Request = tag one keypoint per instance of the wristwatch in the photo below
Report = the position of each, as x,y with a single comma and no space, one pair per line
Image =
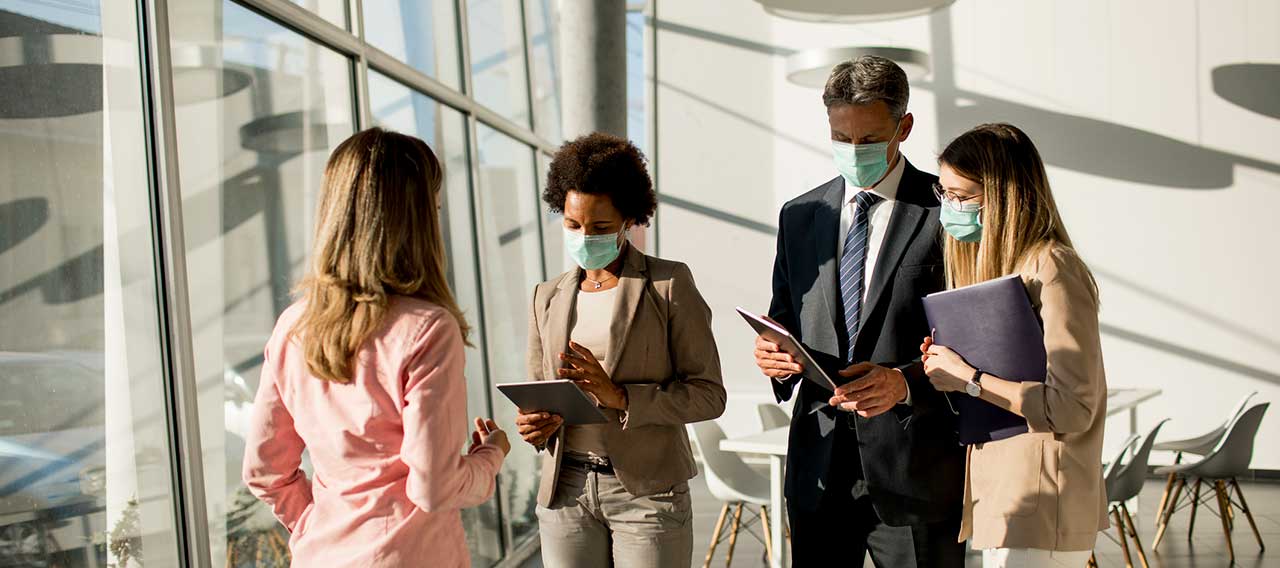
973,388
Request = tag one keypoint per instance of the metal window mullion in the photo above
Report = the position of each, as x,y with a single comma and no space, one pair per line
473,162
308,23
533,125
528,65
464,45
169,246
651,9
323,31
364,110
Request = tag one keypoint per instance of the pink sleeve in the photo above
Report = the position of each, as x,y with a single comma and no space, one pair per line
436,425
273,452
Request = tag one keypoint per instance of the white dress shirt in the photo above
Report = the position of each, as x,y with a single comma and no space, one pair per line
878,219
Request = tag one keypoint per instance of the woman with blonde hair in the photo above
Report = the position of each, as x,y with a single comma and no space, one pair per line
365,372
1035,499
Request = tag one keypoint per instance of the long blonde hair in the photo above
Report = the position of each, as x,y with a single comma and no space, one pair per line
1020,219
377,235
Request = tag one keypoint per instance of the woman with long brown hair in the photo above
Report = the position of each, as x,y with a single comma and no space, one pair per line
365,372
1034,499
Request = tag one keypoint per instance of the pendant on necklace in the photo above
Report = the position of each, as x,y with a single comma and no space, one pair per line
598,285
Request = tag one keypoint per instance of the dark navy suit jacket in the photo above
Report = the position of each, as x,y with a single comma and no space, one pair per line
911,458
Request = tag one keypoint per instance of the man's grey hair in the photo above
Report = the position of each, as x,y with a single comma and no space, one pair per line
866,80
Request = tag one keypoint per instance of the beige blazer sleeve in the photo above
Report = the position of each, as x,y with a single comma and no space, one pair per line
696,391
1073,390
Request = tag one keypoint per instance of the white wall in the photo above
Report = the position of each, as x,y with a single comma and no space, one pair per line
1167,186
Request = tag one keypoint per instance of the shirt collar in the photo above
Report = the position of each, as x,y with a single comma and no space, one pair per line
887,189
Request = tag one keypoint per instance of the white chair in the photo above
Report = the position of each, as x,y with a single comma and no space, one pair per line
732,481
1123,481
1227,460
1199,445
772,416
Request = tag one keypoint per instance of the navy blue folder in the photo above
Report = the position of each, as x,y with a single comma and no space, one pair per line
991,325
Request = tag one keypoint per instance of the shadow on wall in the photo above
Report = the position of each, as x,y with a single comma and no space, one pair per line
20,219
1099,147
1074,142
1253,86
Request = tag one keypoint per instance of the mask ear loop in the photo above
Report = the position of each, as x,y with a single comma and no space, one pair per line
624,233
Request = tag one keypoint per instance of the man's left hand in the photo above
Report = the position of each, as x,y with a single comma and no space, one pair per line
872,392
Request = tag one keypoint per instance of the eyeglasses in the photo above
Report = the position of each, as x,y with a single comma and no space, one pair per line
956,201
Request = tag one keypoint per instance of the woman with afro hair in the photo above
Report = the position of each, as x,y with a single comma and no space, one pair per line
631,331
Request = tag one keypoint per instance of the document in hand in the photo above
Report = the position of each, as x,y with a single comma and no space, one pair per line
557,397
770,330
993,327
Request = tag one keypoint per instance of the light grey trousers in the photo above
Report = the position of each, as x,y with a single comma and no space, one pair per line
594,522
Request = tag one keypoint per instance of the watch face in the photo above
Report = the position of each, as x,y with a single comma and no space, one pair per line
973,389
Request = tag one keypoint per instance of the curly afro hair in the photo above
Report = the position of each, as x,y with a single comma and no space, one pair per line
602,164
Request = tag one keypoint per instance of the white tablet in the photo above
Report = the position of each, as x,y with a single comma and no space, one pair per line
778,334
557,397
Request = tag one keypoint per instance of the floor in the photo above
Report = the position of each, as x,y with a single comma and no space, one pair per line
1206,548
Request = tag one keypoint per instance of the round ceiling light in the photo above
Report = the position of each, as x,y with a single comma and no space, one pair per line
849,11
811,67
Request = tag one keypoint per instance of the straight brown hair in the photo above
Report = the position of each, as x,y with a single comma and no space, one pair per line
377,235
1020,219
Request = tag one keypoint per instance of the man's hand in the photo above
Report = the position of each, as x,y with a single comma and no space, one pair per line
773,362
872,392
586,372
537,427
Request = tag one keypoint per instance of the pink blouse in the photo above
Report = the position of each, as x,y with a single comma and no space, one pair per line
390,475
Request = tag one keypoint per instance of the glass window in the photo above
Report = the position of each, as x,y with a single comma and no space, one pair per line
497,57
511,255
84,446
333,10
556,259
422,33
397,107
637,115
544,50
252,145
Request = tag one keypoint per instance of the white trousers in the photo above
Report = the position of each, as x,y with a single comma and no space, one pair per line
1033,558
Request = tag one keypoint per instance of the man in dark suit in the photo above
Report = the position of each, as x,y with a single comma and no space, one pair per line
876,466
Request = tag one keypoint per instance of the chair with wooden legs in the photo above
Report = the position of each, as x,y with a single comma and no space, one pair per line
1218,470
732,481
1123,481
1199,445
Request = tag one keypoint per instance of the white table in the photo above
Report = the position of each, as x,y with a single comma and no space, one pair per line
1120,400
773,443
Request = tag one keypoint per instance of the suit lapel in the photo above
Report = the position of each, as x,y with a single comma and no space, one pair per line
559,310
631,285
826,229
903,225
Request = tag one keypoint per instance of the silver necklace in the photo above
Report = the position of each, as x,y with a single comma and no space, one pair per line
599,283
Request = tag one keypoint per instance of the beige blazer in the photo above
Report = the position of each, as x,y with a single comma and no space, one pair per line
662,352
1044,489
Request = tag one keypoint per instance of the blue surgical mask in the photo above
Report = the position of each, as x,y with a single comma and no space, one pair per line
962,221
592,252
862,165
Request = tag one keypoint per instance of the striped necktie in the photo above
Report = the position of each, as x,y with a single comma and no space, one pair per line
853,264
